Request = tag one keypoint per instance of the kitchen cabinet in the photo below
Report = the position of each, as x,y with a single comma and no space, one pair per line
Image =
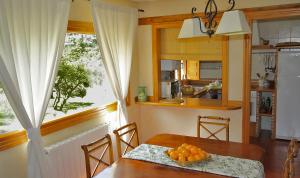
170,65
193,70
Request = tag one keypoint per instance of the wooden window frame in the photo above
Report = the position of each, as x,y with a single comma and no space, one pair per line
156,60
15,138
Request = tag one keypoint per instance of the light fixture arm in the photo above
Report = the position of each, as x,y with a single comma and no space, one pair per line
194,9
232,2
210,12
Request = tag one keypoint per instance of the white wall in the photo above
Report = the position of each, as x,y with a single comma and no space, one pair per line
155,120
81,9
275,31
144,50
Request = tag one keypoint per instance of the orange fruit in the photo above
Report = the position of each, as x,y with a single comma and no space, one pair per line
179,149
198,157
170,150
191,158
181,159
185,153
174,155
180,154
188,147
193,150
184,145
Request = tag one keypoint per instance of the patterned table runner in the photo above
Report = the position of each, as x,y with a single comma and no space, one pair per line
221,165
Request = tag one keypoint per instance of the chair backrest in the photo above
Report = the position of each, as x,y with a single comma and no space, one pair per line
96,151
220,122
295,147
288,167
123,138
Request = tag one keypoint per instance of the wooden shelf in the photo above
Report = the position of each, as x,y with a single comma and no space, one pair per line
266,114
263,47
198,103
261,89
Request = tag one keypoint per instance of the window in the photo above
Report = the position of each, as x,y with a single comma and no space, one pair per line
204,66
210,70
81,83
8,121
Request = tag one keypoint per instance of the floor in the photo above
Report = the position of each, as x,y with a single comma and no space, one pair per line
276,152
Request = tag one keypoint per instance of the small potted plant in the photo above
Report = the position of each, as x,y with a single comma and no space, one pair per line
262,80
213,88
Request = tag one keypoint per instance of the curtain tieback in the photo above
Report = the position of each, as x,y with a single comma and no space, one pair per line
34,134
121,103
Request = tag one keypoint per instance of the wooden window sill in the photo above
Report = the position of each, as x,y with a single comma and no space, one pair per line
12,139
197,103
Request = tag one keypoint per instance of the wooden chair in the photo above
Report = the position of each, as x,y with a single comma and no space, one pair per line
122,134
223,123
288,169
293,147
90,151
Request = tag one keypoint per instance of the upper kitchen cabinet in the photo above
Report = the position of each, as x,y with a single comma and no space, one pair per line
193,71
202,48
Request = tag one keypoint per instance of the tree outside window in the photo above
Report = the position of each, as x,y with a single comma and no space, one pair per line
81,83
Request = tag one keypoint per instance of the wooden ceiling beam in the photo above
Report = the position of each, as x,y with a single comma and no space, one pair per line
268,12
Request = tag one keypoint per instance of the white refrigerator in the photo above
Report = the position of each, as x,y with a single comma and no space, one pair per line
288,95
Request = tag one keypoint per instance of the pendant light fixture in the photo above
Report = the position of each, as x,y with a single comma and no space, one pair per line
232,22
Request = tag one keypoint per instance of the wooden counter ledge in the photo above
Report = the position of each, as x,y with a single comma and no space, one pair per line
197,103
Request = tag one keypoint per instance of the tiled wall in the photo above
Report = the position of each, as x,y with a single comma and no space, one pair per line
276,31
280,30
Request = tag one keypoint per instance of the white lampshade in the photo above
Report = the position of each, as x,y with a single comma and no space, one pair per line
233,23
191,28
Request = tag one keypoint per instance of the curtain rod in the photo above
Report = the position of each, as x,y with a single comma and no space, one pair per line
140,10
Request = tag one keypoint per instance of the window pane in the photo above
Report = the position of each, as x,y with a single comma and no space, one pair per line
81,81
8,120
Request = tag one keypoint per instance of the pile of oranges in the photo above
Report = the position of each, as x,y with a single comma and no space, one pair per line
187,153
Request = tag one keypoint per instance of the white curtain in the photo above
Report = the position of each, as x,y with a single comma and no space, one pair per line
31,42
115,28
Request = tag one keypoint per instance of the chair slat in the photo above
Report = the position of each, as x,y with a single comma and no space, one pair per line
223,123
94,146
130,128
128,131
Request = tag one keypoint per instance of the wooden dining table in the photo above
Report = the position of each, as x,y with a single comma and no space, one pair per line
128,168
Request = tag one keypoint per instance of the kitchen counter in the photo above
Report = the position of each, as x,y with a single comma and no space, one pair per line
196,103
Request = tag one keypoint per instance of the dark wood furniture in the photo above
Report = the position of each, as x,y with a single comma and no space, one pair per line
96,151
123,138
126,168
289,166
219,122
